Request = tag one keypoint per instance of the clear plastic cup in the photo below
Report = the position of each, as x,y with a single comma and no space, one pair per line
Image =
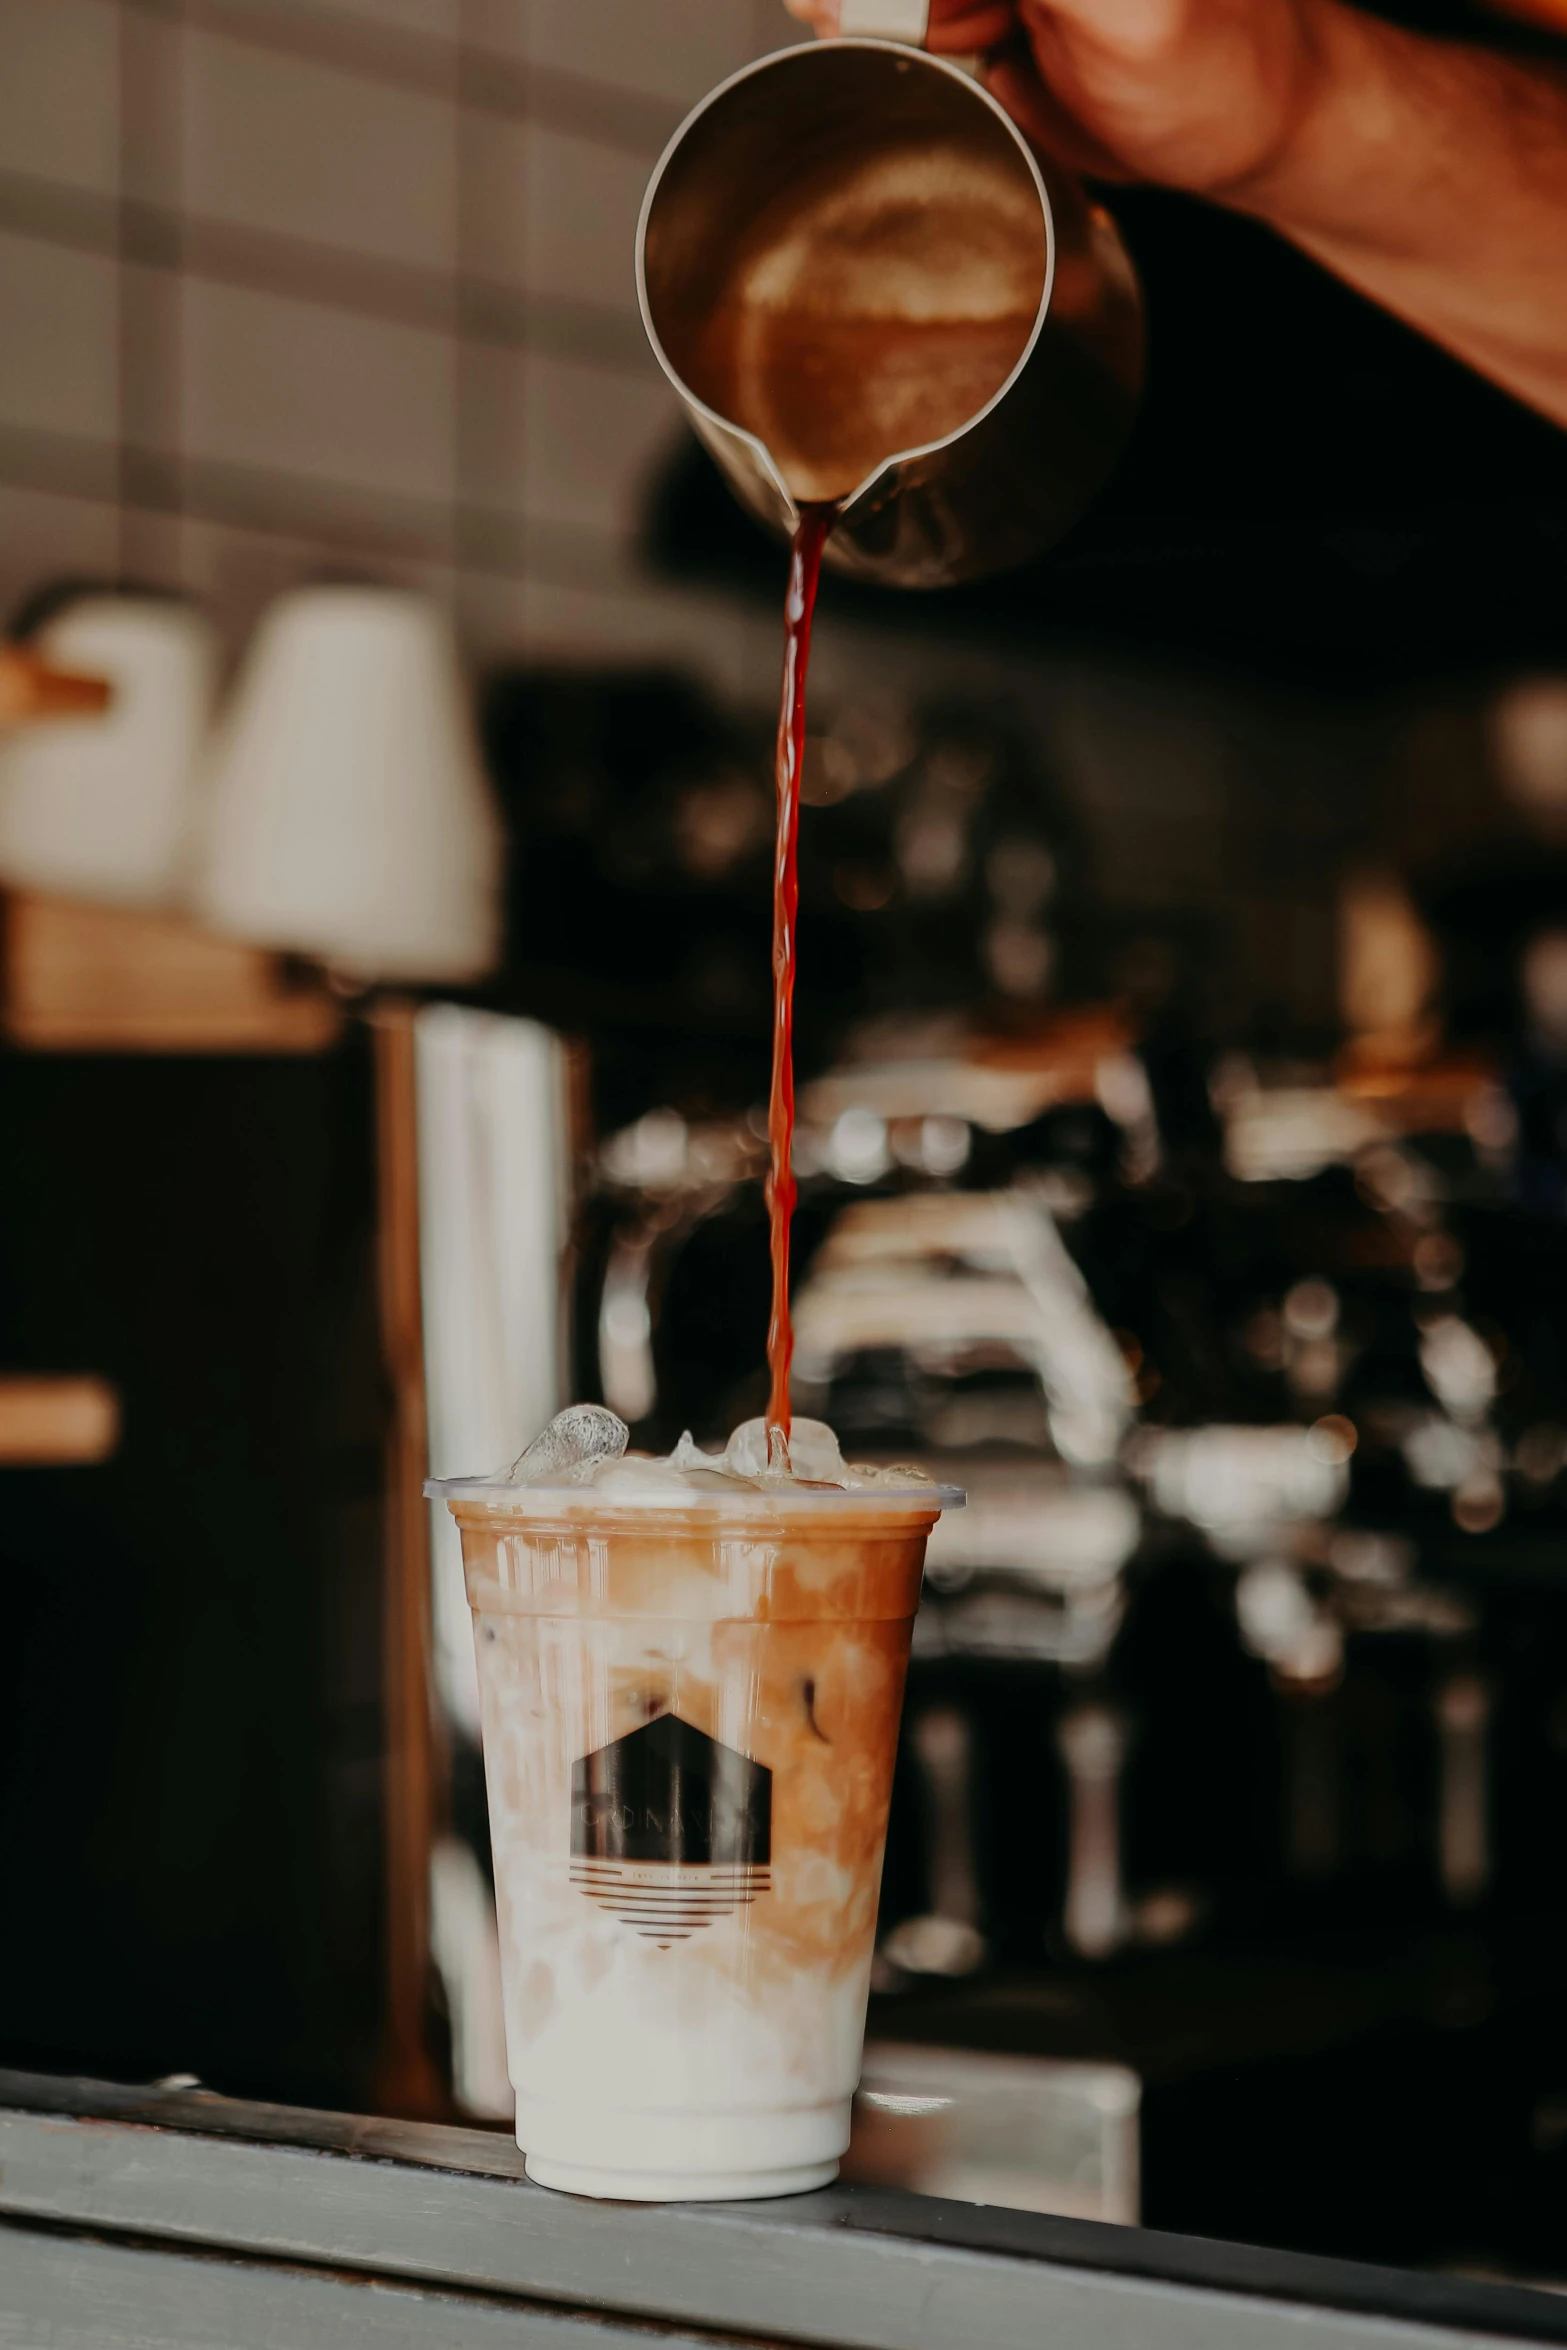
690,1711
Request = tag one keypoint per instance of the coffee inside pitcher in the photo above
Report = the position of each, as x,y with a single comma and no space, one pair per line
869,301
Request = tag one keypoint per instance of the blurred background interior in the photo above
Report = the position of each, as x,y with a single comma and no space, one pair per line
385,811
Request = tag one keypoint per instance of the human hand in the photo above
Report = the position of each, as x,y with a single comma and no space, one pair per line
1430,174
1205,95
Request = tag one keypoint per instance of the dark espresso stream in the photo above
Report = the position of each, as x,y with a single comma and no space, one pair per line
805,563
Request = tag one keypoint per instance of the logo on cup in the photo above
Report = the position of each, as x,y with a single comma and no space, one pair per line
670,1830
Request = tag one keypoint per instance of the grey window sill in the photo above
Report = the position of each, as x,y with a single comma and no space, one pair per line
134,2216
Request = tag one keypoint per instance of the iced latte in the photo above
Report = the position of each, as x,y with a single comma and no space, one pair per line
691,1673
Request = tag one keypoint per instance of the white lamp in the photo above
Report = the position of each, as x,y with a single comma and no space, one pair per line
101,806
348,816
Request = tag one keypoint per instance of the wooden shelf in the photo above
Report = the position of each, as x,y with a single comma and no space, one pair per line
57,1422
105,979
31,689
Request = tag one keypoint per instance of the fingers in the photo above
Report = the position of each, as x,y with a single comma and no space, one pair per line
1015,80
958,27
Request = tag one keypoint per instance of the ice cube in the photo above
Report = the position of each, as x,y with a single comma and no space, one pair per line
745,1455
897,1476
639,1478
688,1454
812,1455
576,1439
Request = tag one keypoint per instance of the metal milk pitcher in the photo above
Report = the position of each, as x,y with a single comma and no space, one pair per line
868,290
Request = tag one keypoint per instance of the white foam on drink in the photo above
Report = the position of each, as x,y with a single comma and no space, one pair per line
585,1445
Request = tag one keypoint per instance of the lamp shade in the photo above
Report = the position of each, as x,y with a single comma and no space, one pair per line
102,806
348,817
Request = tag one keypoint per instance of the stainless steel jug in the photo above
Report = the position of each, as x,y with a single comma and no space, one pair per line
869,290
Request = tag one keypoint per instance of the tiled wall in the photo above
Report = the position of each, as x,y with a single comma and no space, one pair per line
294,285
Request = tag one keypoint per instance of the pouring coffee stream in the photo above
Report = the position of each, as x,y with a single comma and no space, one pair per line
909,355
881,309
805,563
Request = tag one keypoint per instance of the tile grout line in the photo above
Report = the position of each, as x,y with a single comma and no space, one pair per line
476,309
486,80
464,535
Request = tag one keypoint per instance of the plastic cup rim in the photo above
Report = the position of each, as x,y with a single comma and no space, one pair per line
747,1500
